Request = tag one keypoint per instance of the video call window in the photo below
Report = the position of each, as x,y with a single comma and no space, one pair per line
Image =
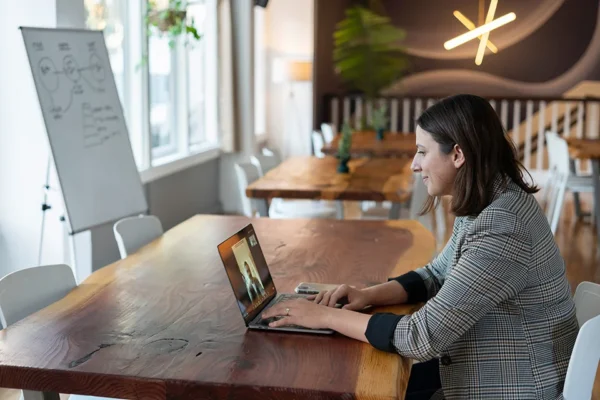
247,270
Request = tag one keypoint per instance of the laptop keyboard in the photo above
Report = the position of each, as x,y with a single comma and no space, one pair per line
283,297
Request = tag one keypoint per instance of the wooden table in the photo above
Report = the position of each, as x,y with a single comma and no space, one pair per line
589,149
365,144
376,179
164,324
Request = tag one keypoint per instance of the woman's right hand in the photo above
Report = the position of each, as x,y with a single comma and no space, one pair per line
356,299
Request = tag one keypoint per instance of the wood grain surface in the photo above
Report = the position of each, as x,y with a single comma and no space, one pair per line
376,179
163,323
365,143
584,148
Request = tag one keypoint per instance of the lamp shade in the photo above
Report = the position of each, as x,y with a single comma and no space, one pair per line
291,71
300,71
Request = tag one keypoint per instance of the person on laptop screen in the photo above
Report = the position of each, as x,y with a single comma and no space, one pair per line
498,319
254,286
247,280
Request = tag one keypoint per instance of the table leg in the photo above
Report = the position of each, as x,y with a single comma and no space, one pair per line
339,209
261,206
395,210
596,182
576,198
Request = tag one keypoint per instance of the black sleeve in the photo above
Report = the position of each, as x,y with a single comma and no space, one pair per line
413,285
380,331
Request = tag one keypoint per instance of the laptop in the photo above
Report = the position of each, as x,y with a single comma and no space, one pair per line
251,281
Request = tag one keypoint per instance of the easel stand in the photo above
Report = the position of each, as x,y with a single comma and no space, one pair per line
69,240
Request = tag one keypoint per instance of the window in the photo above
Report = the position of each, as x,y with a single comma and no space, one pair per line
260,73
162,89
107,15
170,96
196,71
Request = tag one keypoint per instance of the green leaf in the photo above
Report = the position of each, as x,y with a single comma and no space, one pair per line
193,31
368,54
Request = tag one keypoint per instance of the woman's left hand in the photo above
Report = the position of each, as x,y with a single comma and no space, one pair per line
300,312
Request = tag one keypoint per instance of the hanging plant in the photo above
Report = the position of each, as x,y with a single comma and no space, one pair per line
170,22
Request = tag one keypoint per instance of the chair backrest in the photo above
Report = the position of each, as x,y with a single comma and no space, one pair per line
246,173
29,290
417,200
581,373
552,160
558,156
418,197
318,143
265,163
132,233
587,301
328,131
265,151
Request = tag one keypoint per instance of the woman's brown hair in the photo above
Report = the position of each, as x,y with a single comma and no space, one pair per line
471,123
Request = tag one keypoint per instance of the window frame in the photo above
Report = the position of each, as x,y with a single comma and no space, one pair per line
181,154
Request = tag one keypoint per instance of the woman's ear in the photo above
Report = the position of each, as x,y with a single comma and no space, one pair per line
458,157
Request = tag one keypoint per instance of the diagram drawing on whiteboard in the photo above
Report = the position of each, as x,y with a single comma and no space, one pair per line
71,80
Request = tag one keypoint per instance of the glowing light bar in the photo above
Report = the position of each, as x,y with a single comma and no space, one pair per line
465,37
485,36
470,26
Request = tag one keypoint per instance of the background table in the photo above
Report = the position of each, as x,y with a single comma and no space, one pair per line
365,143
376,179
163,323
589,149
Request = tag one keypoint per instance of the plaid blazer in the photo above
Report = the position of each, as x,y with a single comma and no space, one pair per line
498,314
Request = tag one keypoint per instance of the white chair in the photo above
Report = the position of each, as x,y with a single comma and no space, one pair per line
328,130
271,152
265,163
575,183
419,195
280,208
29,290
581,373
556,185
587,301
246,173
132,233
318,143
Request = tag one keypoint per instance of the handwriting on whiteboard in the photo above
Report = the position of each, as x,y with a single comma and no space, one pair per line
100,124
72,80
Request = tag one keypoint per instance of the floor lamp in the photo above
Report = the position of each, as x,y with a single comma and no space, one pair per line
293,72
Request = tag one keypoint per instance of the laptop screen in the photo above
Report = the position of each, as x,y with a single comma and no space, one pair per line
247,271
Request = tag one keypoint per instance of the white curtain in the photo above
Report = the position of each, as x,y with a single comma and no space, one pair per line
227,125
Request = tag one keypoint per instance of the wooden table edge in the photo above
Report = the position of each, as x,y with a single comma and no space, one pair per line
363,387
318,195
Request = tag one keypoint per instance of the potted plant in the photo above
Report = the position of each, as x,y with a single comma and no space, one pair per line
344,149
380,120
367,53
171,22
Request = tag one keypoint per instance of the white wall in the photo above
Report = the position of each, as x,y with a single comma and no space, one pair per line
289,35
24,146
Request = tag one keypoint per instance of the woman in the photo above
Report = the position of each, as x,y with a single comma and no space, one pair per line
498,315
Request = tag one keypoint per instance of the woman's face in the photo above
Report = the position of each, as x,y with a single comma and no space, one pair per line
438,170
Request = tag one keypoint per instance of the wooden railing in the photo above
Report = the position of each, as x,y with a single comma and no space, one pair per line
525,119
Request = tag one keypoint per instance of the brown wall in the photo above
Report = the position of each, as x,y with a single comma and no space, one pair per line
545,54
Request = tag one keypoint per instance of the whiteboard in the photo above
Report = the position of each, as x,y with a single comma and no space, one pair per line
86,129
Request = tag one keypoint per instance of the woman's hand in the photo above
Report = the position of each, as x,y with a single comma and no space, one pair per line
300,312
356,299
